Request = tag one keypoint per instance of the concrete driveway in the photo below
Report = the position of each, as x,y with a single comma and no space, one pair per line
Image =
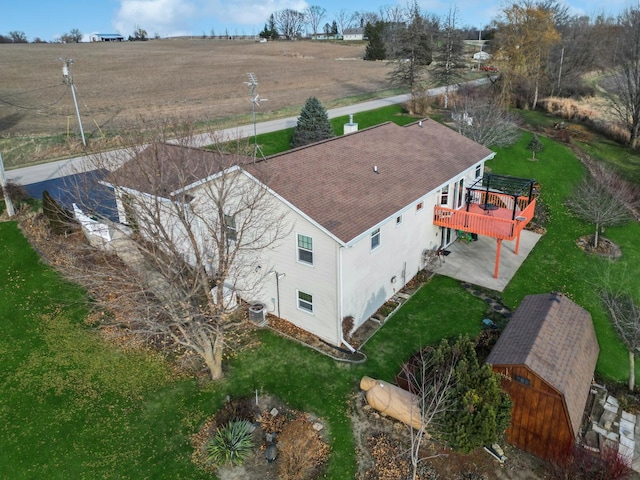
474,262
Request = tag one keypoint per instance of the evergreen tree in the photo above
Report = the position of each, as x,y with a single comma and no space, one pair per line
334,28
375,49
313,124
414,52
481,411
535,145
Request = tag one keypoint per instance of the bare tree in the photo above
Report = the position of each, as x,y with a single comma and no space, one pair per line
289,23
448,55
313,16
76,35
360,19
624,313
431,378
624,82
200,224
600,199
482,118
343,20
18,36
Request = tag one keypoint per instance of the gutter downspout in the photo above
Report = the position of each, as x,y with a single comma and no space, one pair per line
339,297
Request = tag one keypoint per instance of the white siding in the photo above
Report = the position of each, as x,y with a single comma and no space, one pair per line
367,274
318,280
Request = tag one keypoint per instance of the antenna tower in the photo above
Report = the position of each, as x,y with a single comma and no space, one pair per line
67,79
255,102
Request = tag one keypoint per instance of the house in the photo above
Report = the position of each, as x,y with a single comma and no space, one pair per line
546,358
352,34
361,209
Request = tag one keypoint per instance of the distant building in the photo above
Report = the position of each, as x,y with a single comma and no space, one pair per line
353,34
481,56
106,37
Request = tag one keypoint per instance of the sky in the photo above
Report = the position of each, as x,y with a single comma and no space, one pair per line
48,19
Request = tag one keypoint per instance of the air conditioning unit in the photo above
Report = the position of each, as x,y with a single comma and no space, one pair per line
258,314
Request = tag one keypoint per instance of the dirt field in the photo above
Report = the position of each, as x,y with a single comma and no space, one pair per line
118,83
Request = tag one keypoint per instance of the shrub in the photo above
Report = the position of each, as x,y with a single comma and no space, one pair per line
301,451
236,409
60,219
232,443
579,464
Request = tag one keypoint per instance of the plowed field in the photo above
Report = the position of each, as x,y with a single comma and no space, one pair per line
120,83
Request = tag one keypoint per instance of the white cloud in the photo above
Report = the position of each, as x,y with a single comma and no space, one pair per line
165,17
250,12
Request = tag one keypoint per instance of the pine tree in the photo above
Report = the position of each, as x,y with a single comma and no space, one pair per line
313,124
535,145
482,411
414,53
375,49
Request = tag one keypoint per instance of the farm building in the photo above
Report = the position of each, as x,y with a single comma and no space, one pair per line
353,34
546,358
106,37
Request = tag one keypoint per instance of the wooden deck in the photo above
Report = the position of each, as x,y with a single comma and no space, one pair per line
492,215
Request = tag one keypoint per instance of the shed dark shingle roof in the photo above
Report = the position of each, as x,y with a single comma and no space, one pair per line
555,338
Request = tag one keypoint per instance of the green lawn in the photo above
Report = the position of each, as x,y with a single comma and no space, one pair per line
557,264
277,142
76,406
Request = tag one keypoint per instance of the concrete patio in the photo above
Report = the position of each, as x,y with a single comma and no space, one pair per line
474,262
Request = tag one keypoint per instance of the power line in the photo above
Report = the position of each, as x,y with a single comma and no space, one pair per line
25,107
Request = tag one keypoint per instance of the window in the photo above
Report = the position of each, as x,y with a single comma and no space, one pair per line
305,249
305,301
375,238
444,195
398,220
419,206
230,223
478,170
522,380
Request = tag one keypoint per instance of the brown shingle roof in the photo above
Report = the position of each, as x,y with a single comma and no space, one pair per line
162,168
334,182
555,338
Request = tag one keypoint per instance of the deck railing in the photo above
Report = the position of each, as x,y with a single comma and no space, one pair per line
499,225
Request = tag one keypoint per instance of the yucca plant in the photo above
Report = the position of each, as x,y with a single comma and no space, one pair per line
232,443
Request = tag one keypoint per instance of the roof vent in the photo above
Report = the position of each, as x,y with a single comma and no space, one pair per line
375,169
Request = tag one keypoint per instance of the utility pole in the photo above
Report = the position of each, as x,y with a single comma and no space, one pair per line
68,80
3,186
255,101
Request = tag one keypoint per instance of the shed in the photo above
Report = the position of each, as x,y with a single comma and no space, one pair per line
546,358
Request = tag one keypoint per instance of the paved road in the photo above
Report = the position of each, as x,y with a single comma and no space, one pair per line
62,168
